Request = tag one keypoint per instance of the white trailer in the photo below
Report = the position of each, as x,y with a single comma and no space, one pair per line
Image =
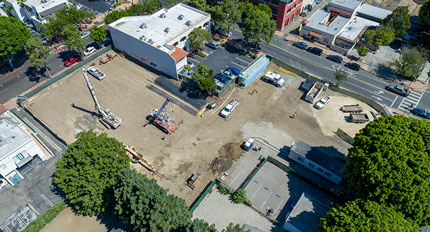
314,92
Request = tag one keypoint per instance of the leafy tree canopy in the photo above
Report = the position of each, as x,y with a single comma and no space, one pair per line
234,228
362,51
340,75
361,215
410,63
240,196
424,13
37,52
198,225
205,80
399,20
146,206
98,34
197,37
389,163
381,36
258,26
143,8
13,36
88,170
73,15
72,38
227,14
199,4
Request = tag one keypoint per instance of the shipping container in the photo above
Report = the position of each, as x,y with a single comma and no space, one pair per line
254,70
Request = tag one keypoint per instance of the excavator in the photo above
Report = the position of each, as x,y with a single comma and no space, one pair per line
105,115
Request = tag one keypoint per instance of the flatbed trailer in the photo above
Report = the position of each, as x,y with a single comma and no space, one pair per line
358,118
352,108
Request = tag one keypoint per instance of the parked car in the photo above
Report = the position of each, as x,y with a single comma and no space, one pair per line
353,66
317,1
211,105
219,85
72,60
222,78
96,73
234,70
89,51
214,45
314,50
301,45
323,102
335,58
85,34
304,13
228,74
421,112
398,89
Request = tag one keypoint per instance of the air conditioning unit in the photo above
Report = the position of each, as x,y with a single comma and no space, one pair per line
162,15
142,38
180,17
188,23
166,30
142,26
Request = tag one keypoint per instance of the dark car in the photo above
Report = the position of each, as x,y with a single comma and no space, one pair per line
72,60
335,58
353,66
214,45
233,70
398,89
314,50
301,45
222,78
421,113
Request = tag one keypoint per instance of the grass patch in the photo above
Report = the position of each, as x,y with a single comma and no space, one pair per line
201,54
45,218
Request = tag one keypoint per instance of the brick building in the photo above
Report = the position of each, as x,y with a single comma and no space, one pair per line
284,11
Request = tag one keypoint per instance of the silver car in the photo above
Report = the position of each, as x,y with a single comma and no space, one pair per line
96,73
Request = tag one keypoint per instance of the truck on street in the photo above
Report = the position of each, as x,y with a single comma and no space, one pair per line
274,78
232,105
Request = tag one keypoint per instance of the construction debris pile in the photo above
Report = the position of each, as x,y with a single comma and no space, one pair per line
228,153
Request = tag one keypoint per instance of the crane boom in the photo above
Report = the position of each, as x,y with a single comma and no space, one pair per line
105,114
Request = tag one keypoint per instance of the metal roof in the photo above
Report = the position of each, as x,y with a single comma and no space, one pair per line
373,11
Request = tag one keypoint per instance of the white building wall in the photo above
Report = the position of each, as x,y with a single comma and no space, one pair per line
181,63
144,52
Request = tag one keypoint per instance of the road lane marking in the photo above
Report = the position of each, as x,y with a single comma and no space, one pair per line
368,90
395,99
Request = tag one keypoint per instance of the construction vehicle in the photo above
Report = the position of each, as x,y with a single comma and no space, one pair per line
192,181
161,119
358,117
105,115
274,78
352,108
142,161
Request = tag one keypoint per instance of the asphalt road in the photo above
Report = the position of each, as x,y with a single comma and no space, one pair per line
361,82
29,77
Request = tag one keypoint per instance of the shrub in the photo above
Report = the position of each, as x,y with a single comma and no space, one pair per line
224,190
239,196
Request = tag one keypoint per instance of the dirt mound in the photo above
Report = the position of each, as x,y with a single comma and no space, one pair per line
228,153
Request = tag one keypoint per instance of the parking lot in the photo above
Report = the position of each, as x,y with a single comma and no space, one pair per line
97,6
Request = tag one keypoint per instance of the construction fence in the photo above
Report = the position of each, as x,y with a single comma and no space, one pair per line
371,103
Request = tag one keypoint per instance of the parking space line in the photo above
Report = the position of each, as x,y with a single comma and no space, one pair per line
47,200
267,199
238,65
244,61
189,58
279,206
253,195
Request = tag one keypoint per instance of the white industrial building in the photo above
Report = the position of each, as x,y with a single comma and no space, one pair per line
159,40
17,147
35,11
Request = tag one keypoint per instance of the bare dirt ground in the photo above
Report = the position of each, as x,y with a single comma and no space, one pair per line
68,221
264,112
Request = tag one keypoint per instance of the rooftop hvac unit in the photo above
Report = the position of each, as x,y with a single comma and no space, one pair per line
142,38
167,30
142,26
180,17
163,15
150,41
188,23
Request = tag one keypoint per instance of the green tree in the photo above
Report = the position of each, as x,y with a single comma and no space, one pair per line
361,215
146,206
145,7
265,8
13,36
409,64
424,13
98,34
258,26
72,38
71,14
389,163
198,225
227,14
53,27
115,15
37,53
381,36
399,20
205,80
340,76
88,171
362,51
199,4
240,196
234,228
197,38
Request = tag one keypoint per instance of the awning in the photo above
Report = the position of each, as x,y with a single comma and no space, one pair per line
314,34
178,54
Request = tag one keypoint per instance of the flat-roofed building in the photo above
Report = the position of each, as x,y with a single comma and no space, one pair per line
17,147
159,40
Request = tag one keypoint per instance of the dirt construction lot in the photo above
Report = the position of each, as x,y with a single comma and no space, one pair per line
264,112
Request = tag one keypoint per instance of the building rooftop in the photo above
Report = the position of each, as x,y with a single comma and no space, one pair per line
47,6
319,157
160,28
12,134
320,21
307,212
356,28
373,11
349,5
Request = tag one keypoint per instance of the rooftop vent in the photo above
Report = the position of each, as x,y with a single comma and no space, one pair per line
167,29
163,15
143,26
142,38
180,17
188,23
150,41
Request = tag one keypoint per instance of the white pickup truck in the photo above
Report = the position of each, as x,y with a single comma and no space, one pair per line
321,103
232,105
96,73
274,78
